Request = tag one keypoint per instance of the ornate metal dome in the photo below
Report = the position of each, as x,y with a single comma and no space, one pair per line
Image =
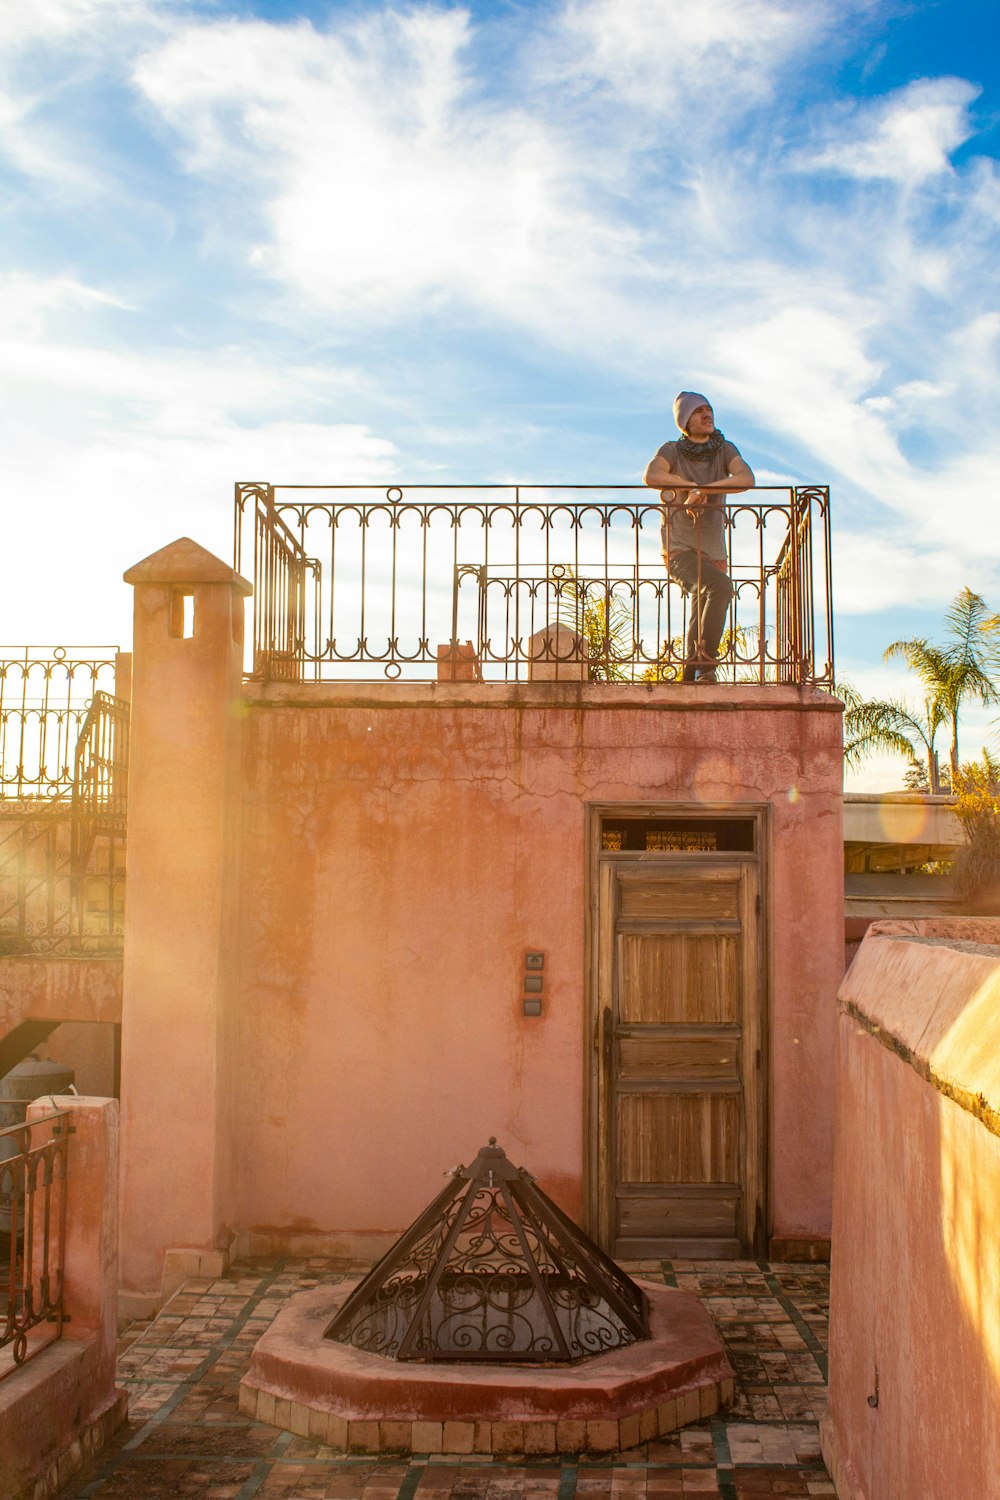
493,1272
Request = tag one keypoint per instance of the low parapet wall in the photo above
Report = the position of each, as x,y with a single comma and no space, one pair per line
915,1299
59,987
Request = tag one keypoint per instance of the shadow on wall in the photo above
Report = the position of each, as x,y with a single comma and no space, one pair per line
915,1297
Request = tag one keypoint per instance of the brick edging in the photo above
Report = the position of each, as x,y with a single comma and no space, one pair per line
484,1438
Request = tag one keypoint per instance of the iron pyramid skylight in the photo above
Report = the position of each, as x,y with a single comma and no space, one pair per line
492,1272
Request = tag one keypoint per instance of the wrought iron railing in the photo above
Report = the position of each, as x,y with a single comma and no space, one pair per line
282,573
62,857
34,1160
353,582
98,824
44,696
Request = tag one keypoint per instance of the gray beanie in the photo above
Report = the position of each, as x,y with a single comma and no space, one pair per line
685,404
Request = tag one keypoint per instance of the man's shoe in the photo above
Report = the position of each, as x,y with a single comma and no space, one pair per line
690,673
707,674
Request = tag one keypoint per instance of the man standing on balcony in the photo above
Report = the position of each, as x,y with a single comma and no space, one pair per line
694,475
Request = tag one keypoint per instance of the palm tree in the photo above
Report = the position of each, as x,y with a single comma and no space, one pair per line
958,671
952,674
872,724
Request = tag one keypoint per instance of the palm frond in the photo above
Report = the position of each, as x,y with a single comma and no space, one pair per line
871,725
670,666
847,693
927,661
966,620
975,681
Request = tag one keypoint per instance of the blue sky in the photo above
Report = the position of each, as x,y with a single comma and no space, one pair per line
366,242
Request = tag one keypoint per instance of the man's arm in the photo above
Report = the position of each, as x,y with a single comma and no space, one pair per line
739,478
660,476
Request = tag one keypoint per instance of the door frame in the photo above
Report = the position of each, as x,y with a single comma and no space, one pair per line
758,813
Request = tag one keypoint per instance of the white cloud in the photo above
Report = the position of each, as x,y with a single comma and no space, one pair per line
666,55
802,372
103,499
55,20
28,302
422,198
386,182
377,180
51,50
113,453
910,402
874,572
907,136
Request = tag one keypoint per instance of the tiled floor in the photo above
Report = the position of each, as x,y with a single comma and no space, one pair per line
187,1437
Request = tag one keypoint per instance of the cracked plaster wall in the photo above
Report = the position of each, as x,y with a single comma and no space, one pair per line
399,856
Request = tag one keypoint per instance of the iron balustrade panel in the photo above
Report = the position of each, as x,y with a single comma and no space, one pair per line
62,856
36,882
98,825
44,696
508,583
34,1162
100,764
268,552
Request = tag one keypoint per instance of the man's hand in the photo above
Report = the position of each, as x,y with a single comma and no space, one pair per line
695,499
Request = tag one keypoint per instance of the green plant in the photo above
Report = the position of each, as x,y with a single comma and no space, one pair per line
670,665
977,807
736,641
602,617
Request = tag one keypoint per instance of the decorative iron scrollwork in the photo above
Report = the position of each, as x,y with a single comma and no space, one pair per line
366,583
493,1271
33,1167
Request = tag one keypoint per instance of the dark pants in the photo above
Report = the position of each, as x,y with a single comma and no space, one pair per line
709,591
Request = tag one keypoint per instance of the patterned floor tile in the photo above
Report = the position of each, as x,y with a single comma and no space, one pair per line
186,1436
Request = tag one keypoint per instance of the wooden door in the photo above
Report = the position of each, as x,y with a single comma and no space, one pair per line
680,1073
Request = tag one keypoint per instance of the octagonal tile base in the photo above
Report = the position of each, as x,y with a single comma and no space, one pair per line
362,1403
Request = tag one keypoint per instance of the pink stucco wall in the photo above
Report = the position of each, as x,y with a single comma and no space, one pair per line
330,892
915,1290
405,844
180,963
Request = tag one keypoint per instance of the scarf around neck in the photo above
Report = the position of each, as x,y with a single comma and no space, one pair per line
701,452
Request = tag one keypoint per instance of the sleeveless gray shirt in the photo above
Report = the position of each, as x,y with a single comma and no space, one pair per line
679,531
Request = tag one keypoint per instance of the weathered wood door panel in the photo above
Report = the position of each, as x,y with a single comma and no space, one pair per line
680,1128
